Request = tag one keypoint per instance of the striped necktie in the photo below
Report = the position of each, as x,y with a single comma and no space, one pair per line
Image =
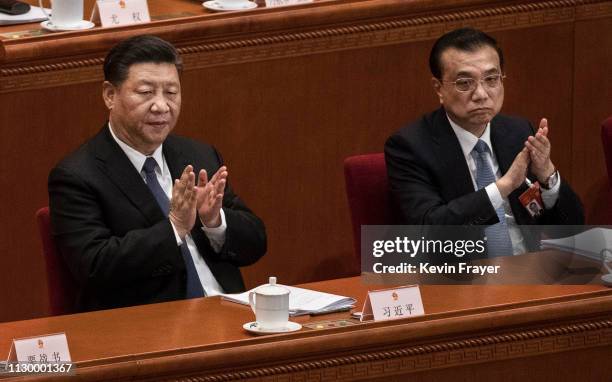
498,237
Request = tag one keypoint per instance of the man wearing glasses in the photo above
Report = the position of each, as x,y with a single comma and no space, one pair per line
465,164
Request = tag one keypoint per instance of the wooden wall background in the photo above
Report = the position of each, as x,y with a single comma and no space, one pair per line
286,95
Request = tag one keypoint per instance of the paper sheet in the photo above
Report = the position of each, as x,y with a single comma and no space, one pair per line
303,301
589,243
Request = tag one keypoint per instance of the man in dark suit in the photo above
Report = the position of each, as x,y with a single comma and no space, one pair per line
465,164
129,233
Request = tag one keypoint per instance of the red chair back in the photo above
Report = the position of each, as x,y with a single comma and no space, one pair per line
368,193
62,286
606,138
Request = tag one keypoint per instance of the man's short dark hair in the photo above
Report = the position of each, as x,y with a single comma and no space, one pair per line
138,50
465,39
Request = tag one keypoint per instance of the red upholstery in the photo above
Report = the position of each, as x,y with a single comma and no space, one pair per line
62,286
368,194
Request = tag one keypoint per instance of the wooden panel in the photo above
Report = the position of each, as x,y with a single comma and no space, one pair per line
37,128
535,79
469,332
592,105
286,95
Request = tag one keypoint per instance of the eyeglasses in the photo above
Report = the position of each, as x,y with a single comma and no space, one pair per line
465,85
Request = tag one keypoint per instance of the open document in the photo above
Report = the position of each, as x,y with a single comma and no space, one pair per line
589,243
303,301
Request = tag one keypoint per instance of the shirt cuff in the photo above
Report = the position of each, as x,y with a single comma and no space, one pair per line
216,235
549,197
494,195
179,242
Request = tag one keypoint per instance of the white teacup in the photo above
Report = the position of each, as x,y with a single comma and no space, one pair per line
64,13
270,303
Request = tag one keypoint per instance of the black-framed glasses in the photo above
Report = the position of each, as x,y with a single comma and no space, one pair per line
468,84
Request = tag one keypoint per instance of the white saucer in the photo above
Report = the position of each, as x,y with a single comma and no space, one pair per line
607,279
255,329
216,5
81,25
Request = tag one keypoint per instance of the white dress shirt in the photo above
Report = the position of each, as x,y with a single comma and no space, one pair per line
467,141
216,235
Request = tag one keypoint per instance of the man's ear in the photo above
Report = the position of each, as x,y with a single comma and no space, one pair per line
108,94
437,85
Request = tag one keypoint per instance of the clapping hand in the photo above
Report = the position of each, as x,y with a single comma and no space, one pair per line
539,151
210,196
515,176
183,203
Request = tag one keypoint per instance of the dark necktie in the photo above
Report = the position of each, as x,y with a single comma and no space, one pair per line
194,286
498,237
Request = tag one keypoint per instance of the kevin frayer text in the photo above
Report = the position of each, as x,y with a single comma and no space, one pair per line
427,268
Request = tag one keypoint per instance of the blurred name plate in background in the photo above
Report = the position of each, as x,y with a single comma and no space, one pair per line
115,13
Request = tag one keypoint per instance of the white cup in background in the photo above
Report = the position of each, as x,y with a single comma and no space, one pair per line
64,13
270,303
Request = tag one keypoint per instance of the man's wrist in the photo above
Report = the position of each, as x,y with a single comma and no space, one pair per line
212,223
180,231
503,187
550,181
546,175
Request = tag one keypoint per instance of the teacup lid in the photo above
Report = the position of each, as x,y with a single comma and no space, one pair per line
272,288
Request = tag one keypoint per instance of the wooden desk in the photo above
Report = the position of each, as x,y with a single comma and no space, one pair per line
287,94
526,333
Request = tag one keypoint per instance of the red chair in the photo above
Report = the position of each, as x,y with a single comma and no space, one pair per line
62,286
368,193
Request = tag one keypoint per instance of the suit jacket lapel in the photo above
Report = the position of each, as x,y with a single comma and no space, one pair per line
175,158
449,151
117,167
503,146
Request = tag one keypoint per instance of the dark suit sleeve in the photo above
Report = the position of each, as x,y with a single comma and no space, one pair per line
245,236
418,193
97,258
567,210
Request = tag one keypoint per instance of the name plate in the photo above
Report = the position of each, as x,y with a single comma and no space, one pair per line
393,303
114,13
284,3
52,348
